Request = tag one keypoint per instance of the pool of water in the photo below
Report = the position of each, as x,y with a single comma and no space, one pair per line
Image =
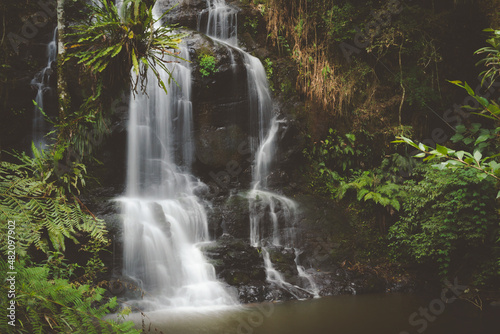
374,314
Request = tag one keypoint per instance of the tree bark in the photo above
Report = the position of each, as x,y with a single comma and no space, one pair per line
62,85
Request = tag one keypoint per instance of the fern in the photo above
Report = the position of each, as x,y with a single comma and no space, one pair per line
42,204
58,306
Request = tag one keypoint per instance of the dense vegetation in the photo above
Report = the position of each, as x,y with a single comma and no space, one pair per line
51,240
359,91
374,70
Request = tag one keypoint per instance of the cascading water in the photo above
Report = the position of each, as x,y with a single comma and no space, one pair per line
221,22
164,220
266,208
41,83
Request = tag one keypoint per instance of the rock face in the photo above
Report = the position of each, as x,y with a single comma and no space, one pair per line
221,112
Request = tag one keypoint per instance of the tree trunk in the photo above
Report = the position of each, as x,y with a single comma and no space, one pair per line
62,85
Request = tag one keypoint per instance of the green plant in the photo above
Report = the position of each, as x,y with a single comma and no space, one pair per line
40,196
207,65
47,304
479,138
372,187
486,166
334,160
448,221
338,22
110,44
268,65
252,24
492,59
339,153
59,266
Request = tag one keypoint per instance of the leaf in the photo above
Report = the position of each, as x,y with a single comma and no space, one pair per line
441,149
420,155
460,128
495,166
477,156
135,62
395,204
460,154
457,82
484,102
117,51
475,127
468,141
469,90
481,138
457,137
430,157
482,176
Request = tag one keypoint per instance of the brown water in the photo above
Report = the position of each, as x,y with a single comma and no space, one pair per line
374,314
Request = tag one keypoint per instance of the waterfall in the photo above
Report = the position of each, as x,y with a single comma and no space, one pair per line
41,82
164,220
221,21
272,216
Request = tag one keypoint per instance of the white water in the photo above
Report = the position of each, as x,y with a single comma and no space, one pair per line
268,210
164,220
222,21
41,81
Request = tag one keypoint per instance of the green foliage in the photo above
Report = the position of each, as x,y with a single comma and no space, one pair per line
54,305
58,266
477,137
251,25
338,153
110,44
448,220
373,187
492,59
339,164
339,23
207,65
489,108
268,65
420,90
487,166
39,195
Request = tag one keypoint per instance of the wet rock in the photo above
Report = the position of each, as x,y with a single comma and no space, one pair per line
253,293
283,260
123,287
221,113
230,216
248,41
185,14
368,283
235,261
322,227
259,292
333,283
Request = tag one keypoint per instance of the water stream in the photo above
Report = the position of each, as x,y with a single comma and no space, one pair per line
41,82
164,220
272,216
